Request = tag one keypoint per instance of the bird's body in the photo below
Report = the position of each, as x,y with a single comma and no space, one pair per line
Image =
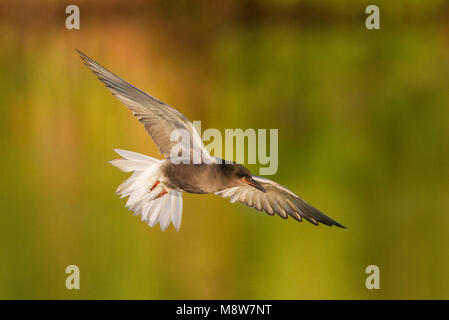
196,178
155,188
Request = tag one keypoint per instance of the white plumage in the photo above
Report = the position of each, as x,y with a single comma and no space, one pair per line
141,199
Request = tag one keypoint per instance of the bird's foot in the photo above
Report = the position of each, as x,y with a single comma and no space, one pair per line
157,190
164,192
155,185
150,188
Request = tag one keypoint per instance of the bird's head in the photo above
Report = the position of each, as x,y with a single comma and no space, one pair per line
241,176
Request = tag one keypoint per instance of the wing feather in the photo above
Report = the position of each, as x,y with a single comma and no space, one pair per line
277,199
158,118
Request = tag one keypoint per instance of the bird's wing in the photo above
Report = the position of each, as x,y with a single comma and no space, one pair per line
158,118
276,199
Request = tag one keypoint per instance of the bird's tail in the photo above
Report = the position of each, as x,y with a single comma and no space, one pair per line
141,189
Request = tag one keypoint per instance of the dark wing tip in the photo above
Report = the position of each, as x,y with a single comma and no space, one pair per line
329,222
336,224
89,63
82,54
340,225
315,216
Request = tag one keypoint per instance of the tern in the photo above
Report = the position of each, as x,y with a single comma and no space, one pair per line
155,188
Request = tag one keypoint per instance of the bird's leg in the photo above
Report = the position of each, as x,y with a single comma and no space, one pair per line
156,191
155,185
164,192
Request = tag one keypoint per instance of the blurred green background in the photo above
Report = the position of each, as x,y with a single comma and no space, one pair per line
363,119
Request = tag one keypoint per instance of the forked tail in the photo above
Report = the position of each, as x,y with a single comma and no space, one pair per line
140,188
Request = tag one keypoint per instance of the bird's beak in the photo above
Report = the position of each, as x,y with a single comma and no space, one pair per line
254,184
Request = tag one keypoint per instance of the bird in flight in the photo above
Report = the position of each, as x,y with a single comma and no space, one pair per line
155,188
